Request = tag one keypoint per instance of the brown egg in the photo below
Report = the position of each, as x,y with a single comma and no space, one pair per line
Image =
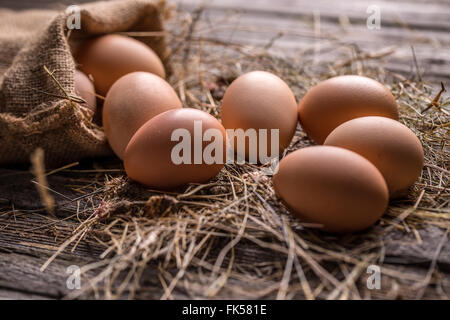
109,57
333,187
389,145
85,89
132,101
260,100
339,99
153,159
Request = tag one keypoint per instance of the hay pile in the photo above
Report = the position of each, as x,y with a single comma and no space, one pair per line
231,237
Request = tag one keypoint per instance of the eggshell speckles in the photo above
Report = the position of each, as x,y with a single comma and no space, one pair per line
339,99
85,89
389,145
132,101
260,100
109,57
331,186
148,157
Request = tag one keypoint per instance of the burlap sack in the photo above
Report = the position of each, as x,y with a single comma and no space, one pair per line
32,111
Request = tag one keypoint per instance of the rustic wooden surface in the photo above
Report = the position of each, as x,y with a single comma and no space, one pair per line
306,25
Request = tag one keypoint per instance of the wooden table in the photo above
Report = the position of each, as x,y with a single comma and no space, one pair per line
291,26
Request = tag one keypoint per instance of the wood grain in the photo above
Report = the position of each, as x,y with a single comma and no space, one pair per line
309,25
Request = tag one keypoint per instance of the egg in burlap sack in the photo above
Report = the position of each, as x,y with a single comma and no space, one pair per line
37,77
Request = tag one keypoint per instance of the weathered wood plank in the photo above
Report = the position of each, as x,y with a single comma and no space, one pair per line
6,294
320,29
21,273
431,16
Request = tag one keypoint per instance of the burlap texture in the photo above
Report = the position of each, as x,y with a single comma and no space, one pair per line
31,113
